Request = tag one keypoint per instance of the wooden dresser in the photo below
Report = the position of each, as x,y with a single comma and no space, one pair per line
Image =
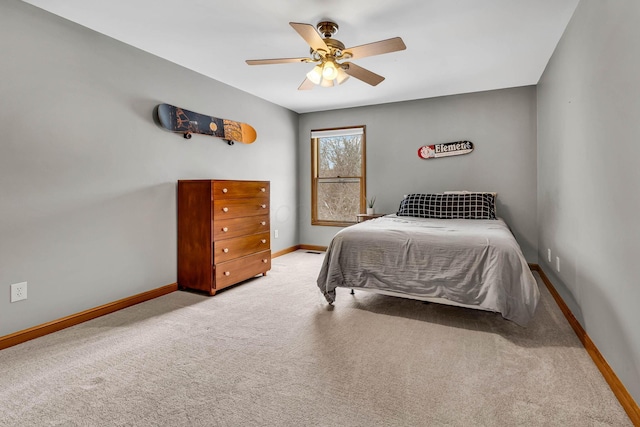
223,233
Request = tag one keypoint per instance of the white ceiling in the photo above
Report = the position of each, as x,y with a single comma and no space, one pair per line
453,46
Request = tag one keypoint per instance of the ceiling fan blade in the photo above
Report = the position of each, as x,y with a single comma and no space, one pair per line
306,85
276,61
362,74
310,35
376,48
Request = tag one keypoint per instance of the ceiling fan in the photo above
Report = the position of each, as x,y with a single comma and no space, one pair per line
330,56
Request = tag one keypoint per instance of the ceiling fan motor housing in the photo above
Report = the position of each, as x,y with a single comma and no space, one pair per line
336,48
327,28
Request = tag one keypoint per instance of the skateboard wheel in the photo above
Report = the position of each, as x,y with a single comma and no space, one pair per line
187,136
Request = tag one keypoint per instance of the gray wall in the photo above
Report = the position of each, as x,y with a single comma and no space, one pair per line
87,201
501,124
588,177
88,181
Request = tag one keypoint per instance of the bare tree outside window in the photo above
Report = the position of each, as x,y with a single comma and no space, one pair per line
338,176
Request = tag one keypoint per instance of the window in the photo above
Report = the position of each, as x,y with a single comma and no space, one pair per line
338,175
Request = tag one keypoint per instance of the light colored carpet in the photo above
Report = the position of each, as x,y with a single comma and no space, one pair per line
271,352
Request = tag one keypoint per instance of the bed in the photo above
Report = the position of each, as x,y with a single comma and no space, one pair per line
452,254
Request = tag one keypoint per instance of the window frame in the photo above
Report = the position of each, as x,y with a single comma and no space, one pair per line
315,179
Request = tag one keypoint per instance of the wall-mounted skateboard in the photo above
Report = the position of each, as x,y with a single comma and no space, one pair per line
445,150
187,122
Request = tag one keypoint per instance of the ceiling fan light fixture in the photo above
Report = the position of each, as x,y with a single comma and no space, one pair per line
329,70
315,75
334,77
342,76
327,83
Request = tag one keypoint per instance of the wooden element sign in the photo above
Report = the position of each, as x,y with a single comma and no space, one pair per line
445,150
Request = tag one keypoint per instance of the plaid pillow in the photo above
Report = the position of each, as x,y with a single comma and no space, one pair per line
449,206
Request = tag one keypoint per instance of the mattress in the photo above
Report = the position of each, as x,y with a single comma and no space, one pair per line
473,263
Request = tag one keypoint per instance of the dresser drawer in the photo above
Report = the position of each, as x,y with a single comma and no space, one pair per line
235,208
237,270
239,189
225,250
235,227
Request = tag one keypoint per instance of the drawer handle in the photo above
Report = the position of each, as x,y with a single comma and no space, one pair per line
225,209
225,250
263,189
225,229
226,273
265,261
264,206
263,223
264,240
224,190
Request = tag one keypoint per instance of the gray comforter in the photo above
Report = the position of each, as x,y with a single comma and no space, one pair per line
473,262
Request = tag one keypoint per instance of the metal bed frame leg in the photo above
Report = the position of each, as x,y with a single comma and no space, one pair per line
352,292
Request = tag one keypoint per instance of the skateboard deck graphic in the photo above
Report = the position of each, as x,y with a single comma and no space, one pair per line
445,150
187,122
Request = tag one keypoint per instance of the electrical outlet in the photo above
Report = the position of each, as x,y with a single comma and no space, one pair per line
18,291
558,264
275,234
549,255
